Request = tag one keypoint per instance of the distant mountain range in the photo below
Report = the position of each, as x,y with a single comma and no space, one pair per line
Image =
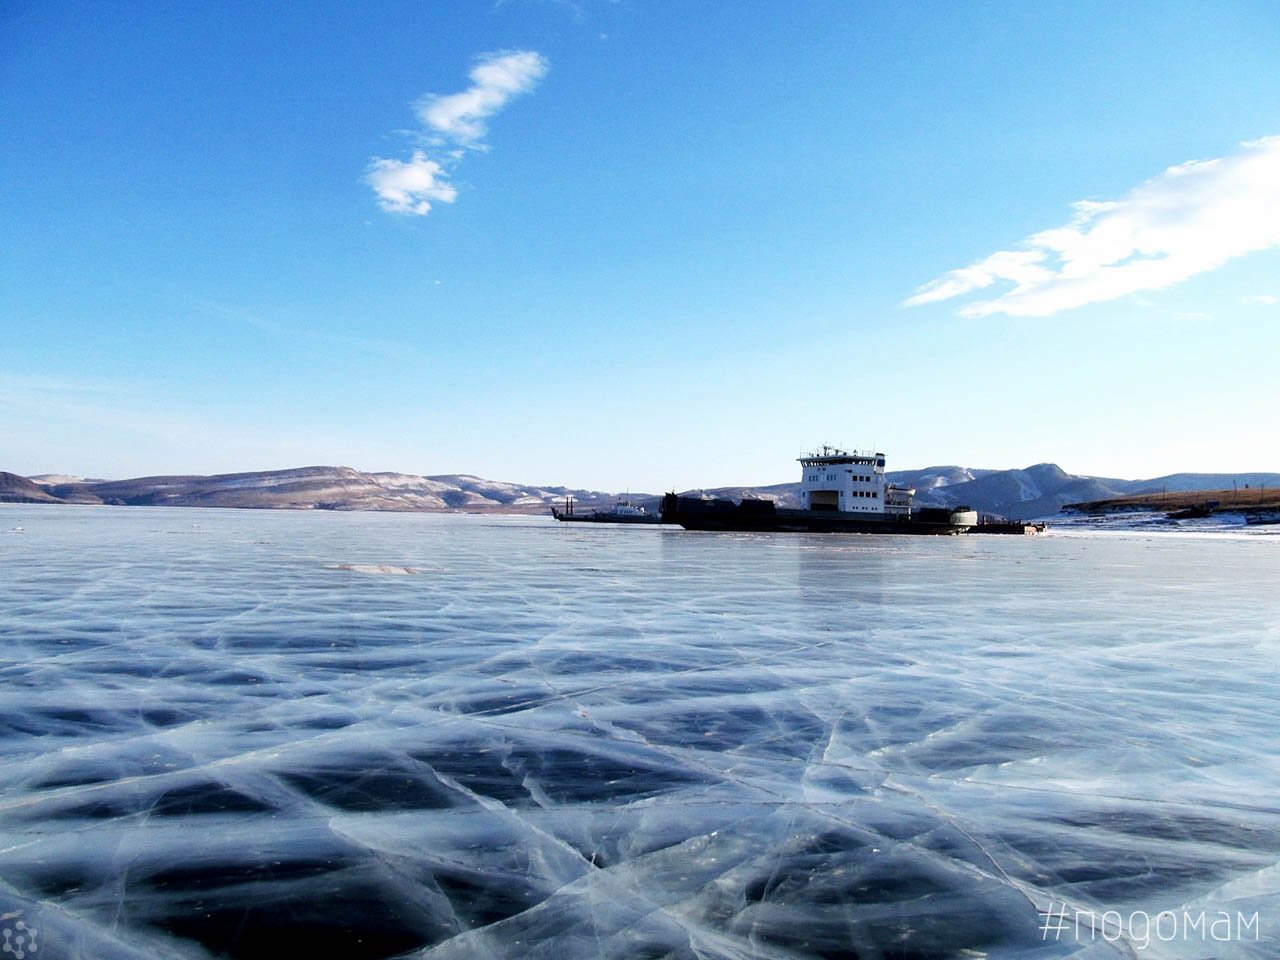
303,488
1043,490
1037,491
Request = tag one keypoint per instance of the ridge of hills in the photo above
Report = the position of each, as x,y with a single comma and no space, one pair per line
315,488
1037,491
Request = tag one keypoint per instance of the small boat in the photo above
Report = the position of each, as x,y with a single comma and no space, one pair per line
624,511
1193,512
1258,517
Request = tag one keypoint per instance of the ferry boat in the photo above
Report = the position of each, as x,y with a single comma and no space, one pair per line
841,491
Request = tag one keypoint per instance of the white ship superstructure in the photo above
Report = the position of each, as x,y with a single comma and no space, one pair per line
850,482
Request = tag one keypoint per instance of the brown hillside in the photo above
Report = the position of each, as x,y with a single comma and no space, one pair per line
16,489
1242,499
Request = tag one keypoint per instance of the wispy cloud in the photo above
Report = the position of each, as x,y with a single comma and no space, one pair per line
1190,219
1262,300
295,337
453,123
495,79
16,384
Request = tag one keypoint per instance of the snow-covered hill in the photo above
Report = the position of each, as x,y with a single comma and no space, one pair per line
323,488
1043,490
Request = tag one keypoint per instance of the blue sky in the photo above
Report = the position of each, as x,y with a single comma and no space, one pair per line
638,245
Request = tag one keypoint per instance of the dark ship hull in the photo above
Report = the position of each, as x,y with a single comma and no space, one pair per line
694,513
601,516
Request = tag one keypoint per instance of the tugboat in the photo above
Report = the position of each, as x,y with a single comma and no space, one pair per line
624,511
840,492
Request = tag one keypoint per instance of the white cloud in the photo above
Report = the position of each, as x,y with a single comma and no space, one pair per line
495,79
1262,300
454,124
409,187
1190,219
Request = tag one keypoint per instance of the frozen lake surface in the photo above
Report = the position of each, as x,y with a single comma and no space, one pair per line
269,735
